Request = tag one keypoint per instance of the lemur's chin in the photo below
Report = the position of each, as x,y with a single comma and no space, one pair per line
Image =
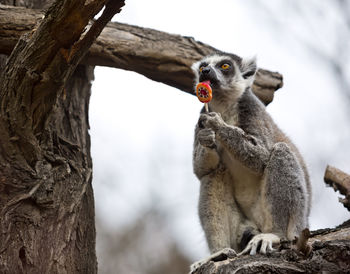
214,84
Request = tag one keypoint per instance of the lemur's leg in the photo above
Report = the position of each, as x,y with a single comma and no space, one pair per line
216,213
226,229
285,191
213,210
285,200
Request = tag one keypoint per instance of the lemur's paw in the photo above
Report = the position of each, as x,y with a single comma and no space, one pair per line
206,137
226,253
261,243
211,120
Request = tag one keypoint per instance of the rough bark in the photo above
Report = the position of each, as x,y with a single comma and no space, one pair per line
46,199
330,254
31,4
157,55
339,180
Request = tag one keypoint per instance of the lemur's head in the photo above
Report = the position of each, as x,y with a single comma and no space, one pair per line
228,74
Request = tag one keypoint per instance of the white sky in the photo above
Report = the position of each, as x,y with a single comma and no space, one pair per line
142,131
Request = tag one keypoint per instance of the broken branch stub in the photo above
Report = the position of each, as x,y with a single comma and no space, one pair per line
340,181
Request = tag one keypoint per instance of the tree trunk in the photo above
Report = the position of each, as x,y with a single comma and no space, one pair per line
47,213
46,200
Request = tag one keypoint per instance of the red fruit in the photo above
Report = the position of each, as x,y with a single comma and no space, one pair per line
204,92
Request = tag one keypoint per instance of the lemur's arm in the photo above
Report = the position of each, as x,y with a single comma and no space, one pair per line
245,148
206,166
205,156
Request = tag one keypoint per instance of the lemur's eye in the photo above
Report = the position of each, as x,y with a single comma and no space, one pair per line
225,66
201,68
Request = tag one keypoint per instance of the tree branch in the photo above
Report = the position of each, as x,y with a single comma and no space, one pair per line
339,180
330,252
160,56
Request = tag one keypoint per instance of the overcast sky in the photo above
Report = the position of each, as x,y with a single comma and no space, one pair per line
142,131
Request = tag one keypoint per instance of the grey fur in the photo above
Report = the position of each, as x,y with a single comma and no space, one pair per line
253,178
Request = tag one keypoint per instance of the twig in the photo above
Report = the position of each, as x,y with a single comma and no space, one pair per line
340,181
302,242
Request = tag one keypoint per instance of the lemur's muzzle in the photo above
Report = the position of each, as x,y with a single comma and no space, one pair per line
208,74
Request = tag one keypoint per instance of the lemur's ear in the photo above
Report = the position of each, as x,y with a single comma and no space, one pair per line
248,67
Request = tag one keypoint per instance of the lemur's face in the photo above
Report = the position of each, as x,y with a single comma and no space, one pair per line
224,72
218,70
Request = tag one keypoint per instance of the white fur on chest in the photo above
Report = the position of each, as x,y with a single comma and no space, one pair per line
246,187
228,112
246,184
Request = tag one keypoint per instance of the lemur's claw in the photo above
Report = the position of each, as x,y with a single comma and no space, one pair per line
261,243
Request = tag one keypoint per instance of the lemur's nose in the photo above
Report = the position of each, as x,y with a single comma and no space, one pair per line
206,70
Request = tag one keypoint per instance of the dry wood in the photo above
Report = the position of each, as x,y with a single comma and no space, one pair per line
160,56
46,198
330,253
339,180
42,61
302,242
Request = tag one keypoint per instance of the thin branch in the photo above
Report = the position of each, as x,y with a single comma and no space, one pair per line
339,180
302,242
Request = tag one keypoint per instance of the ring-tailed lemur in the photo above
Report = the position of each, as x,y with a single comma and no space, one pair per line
254,187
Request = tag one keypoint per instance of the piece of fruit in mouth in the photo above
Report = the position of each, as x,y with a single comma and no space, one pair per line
204,91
